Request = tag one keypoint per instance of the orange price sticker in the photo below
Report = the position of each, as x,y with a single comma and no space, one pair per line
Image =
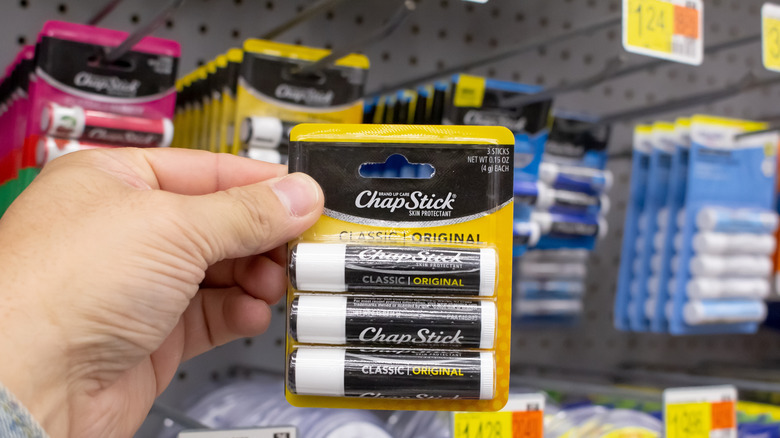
724,415
527,424
686,22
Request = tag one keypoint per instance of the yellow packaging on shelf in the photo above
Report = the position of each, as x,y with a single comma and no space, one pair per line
400,294
272,95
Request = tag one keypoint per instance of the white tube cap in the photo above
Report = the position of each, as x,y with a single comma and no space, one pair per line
167,133
488,334
267,155
488,267
63,121
317,371
487,376
261,132
319,319
319,267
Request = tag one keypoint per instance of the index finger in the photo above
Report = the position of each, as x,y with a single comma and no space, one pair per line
194,172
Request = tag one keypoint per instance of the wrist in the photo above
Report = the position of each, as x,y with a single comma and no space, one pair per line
35,374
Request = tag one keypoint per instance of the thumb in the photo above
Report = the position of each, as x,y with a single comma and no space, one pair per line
252,219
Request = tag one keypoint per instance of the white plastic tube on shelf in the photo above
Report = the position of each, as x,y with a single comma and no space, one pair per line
740,243
744,266
719,288
724,312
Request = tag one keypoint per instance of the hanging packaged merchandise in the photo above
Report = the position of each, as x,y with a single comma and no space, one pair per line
14,107
627,274
667,228
400,295
227,120
79,95
731,181
270,86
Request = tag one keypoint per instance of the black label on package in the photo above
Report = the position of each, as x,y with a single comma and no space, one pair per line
567,198
76,65
574,229
399,322
455,193
275,78
422,376
101,134
407,269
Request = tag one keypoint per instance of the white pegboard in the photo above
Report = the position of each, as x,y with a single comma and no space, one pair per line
443,33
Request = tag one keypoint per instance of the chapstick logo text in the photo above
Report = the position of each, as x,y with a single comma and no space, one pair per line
309,96
108,84
424,336
416,201
121,137
397,257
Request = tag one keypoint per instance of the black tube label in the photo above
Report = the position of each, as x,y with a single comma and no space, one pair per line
393,269
396,322
404,374
102,134
575,228
566,198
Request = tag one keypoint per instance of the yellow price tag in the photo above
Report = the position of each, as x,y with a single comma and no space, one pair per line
770,31
668,29
469,91
688,420
651,25
483,425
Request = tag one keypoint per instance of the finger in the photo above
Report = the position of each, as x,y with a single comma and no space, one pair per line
259,276
216,317
182,171
249,220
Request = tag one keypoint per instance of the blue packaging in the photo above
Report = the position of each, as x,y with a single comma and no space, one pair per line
678,179
724,172
642,148
657,188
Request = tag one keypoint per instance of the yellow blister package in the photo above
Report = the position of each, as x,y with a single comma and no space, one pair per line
274,93
400,294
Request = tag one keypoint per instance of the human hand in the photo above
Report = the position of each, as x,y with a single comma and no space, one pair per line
117,265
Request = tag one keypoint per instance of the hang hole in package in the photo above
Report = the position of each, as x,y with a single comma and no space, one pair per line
400,294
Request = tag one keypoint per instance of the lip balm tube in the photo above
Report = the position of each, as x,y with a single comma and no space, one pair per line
394,373
708,288
561,286
652,284
570,225
639,246
650,308
663,217
736,220
264,132
333,267
724,312
101,127
50,148
579,179
655,262
565,307
742,243
669,310
557,255
526,233
659,240
717,266
544,271
380,321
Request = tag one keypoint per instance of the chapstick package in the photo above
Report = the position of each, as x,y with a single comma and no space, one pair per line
400,295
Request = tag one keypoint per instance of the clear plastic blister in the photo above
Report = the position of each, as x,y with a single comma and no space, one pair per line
400,295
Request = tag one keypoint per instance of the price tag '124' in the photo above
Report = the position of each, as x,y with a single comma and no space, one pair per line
770,36
667,29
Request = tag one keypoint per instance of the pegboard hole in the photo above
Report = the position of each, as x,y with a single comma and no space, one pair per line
200,62
587,59
385,56
542,51
169,24
279,342
469,8
358,20
135,18
442,34
544,21
203,29
540,80
495,13
298,42
182,375
468,38
519,17
235,34
24,3
238,2
22,40
493,43
269,6
443,4
516,76
415,29
440,65
491,72
412,60
329,16
62,8
248,342
565,54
